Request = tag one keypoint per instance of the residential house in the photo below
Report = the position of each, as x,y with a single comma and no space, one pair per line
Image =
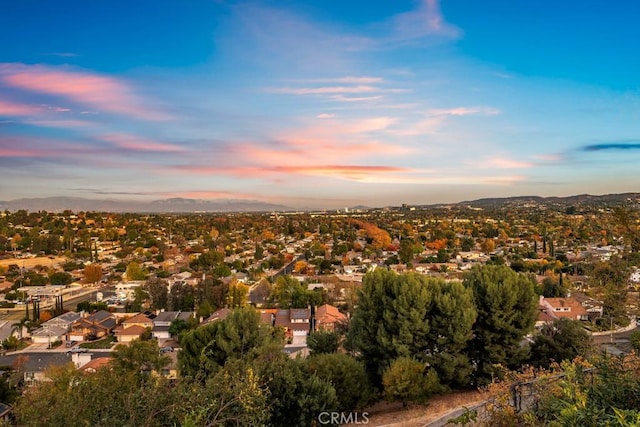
133,328
163,320
63,321
268,316
594,307
221,314
49,335
140,319
94,364
96,325
328,317
33,366
296,323
130,333
558,308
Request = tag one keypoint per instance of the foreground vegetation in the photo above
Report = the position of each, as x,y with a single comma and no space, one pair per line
410,337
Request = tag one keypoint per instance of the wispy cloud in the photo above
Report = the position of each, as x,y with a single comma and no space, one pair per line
425,21
63,123
505,163
11,109
363,80
323,90
104,93
465,111
135,143
433,119
114,193
325,116
423,126
342,98
62,54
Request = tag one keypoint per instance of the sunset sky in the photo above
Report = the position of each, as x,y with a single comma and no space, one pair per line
319,104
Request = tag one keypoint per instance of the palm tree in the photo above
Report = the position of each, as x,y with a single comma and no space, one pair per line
19,326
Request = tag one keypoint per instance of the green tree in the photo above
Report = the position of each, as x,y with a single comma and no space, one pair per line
235,396
20,326
562,339
507,307
609,278
295,397
139,357
237,294
412,315
348,377
406,251
73,397
181,297
288,292
158,291
177,327
552,288
409,381
239,336
135,271
140,297
60,278
321,342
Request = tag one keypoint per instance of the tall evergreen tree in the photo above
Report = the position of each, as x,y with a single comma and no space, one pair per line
507,308
414,316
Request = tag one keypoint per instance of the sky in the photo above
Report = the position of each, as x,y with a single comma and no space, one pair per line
319,104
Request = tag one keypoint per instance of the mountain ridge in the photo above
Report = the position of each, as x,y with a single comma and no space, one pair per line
189,205
172,205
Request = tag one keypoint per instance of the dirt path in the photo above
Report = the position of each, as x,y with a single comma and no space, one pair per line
394,415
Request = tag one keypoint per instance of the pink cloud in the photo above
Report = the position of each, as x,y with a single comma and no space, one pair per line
101,92
19,152
65,124
350,172
14,109
504,163
325,116
134,143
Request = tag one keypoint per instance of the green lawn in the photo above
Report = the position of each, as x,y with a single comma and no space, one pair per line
105,342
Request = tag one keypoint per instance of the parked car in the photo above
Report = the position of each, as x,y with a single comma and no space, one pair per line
77,350
166,349
71,343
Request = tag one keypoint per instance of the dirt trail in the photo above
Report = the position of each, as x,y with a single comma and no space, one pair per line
384,414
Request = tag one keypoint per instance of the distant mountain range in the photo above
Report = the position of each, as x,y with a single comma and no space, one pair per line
183,205
581,199
177,205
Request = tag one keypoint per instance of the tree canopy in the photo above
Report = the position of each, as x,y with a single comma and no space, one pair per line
507,307
411,315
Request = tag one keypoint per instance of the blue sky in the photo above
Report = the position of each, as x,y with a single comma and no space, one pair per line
319,104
